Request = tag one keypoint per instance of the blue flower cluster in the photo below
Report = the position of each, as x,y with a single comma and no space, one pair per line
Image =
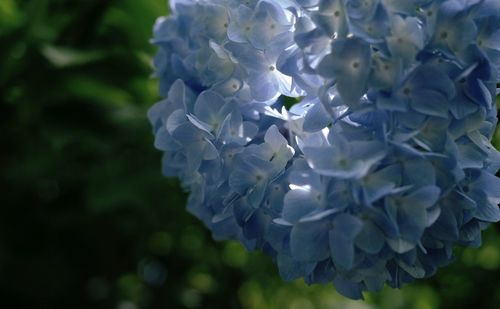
382,165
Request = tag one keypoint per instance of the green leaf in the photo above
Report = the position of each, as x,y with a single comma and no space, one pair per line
66,57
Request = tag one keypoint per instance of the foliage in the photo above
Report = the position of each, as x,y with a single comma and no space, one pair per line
89,222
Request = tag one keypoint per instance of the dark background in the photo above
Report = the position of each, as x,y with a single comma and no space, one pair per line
87,220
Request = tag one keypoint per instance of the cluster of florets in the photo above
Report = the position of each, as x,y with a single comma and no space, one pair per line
347,139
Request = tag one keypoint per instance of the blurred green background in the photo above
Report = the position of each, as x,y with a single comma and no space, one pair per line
87,220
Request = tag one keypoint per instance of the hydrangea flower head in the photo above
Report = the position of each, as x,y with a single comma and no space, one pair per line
382,166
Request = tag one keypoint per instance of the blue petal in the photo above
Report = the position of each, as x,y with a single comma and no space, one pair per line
309,241
207,107
298,203
278,236
462,107
262,87
187,134
446,227
416,271
256,225
331,18
486,211
349,63
489,183
370,239
328,161
430,78
412,220
291,269
175,120
318,215
225,229
250,172
269,21
341,237
419,173
316,118
381,183
400,245
274,138
424,197
430,103
347,288
236,31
